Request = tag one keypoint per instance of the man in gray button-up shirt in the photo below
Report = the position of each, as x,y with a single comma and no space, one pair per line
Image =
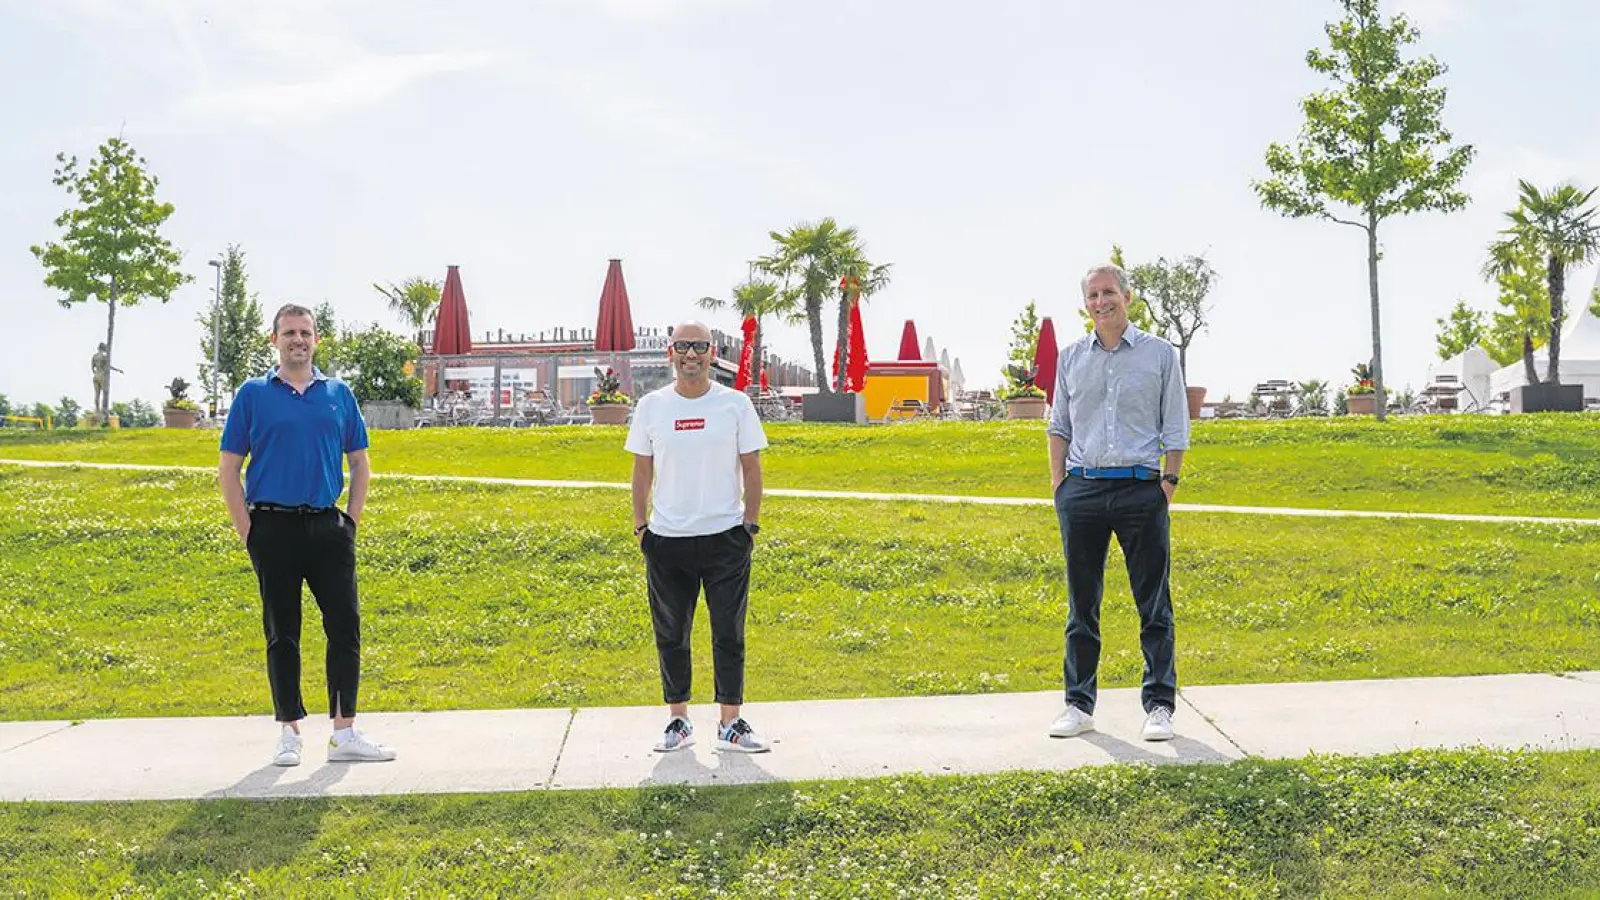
1117,430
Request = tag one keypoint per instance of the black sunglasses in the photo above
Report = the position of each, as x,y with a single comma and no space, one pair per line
696,346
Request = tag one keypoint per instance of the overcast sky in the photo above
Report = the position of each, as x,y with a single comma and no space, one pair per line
990,151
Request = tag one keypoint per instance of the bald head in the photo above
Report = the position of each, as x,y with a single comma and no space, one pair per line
691,330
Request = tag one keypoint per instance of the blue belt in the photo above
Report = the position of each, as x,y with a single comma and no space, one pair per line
1138,473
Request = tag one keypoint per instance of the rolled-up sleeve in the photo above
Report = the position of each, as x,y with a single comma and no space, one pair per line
1060,423
1174,404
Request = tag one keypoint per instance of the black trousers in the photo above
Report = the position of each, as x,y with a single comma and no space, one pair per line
1090,512
317,549
675,570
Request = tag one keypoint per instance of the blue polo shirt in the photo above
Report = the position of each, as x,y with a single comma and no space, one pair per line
296,442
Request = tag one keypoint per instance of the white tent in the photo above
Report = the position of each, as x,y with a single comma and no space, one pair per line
1473,370
1580,351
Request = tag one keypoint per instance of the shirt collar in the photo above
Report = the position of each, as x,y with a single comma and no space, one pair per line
316,375
1131,336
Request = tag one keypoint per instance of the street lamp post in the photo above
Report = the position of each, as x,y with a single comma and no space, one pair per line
216,337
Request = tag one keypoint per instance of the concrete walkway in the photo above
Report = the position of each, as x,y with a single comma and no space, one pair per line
523,750
870,496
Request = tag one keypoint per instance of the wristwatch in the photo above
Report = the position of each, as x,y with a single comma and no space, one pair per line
1171,479
753,528
639,529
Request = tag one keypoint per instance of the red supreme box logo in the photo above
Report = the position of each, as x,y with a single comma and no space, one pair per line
689,425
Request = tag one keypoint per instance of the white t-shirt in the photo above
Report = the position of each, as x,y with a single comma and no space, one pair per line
696,444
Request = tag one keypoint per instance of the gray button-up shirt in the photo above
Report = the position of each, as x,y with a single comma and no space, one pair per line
1119,407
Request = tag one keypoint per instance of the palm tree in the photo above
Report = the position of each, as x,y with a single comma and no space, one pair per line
808,259
415,300
1515,264
860,279
1562,225
759,298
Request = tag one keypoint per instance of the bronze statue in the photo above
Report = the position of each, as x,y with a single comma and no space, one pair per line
100,365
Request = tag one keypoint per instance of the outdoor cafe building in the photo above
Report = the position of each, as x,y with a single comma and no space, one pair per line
501,369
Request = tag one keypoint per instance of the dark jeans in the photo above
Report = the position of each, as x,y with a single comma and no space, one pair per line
676,569
318,549
1090,512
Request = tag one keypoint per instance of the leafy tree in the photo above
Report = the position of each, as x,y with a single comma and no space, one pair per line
858,280
1175,293
242,342
111,247
415,300
1372,146
1562,226
67,413
135,414
326,356
5,405
379,365
1517,268
1311,397
1024,336
43,411
1462,329
809,260
761,299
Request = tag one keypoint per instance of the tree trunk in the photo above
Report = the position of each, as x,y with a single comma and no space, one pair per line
755,361
814,319
1556,276
111,332
1527,358
841,381
1183,363
1379,400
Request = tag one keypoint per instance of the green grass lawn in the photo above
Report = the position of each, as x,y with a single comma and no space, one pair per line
1534,464
1447,824
127,594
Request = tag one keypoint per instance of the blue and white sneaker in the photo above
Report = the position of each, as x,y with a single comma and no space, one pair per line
737,736
679,734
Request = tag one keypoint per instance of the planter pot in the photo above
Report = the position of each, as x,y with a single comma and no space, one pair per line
1197,399
847,407
608,414
180,418
1547,398
1026,408
388,414
1361,404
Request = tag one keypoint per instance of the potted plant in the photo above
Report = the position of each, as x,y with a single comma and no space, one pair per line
1023,398
1360,399
179,411
608,405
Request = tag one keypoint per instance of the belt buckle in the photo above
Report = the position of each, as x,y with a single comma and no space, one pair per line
1089,477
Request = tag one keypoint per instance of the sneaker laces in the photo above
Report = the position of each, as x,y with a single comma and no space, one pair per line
1161,716
736,729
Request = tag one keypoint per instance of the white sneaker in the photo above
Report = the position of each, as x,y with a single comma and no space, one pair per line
1158,725
358,748
678,735
1072,722
738,737
288,752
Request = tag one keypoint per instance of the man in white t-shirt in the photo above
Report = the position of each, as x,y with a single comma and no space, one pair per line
696,449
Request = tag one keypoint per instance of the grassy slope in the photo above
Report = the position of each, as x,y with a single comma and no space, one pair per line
1537,465
127,594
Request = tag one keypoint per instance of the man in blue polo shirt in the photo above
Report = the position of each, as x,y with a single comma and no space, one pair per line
1118,429
297,425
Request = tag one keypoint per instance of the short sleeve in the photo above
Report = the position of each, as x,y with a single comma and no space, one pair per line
639,430
236,430
751,435
355,427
